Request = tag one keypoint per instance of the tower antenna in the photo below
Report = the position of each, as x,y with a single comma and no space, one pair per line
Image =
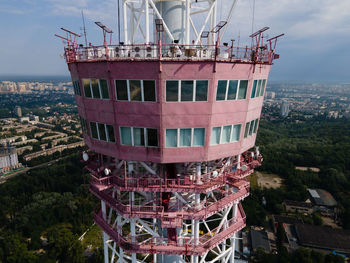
82,15
118,21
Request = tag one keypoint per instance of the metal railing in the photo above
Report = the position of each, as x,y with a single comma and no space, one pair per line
182,245
168,52
184,182
202,210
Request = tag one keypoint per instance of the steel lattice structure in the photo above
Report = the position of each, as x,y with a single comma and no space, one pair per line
170,124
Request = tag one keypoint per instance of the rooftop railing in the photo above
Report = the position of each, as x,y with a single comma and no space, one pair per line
169,52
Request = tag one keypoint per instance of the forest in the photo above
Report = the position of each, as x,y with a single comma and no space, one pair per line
317,142
44,212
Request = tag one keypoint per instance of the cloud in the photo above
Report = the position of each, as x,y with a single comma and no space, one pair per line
11,10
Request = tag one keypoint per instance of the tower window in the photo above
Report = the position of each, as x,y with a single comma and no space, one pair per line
251,128
258,88
96,88
121,89
225,134
172,90
135,90
185,137
134,136
186,90
103,132
242,92
76,87
231,89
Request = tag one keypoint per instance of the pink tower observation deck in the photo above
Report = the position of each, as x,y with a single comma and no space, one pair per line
170,127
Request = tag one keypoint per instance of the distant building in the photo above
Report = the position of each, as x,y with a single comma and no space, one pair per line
45,125
285,108
298,207
323,238
33,119
8,158
260,239
18,111
270,95
285,220
323,201
23,119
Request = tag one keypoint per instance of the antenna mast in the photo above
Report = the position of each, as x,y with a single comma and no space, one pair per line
82,15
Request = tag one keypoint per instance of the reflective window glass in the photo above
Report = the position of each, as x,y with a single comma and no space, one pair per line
221,90
102,132
121,89
257,93
255,82
95,89
198,136
255,125
152,137
185,137
242,92
251,127
139,137
201,90
149,90
135,90
87,90
187,90
226,134
172,90
236,132
110,130
125,135
93,130
215,135
104,89
232,89
246,130
171,138
78,87
263,87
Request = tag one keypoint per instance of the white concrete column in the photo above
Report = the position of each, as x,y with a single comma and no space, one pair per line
238,161
233,239
105,236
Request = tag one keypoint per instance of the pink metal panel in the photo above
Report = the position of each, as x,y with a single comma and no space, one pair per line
165,115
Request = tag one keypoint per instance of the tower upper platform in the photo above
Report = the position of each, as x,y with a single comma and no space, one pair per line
169,110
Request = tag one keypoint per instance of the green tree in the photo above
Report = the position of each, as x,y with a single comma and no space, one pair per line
13,249
63,245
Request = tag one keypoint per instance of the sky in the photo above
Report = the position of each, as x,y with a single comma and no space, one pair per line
315,46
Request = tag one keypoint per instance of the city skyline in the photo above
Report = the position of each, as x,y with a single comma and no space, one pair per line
313,32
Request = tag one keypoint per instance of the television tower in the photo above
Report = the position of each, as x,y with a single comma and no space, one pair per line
170,116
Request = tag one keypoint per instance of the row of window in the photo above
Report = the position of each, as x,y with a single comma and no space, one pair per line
103,132
183,137
176,91
84,126
187,137
250,128
76,87
225,134
134,136
258,88
135,90
96,88
186,90
232,90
